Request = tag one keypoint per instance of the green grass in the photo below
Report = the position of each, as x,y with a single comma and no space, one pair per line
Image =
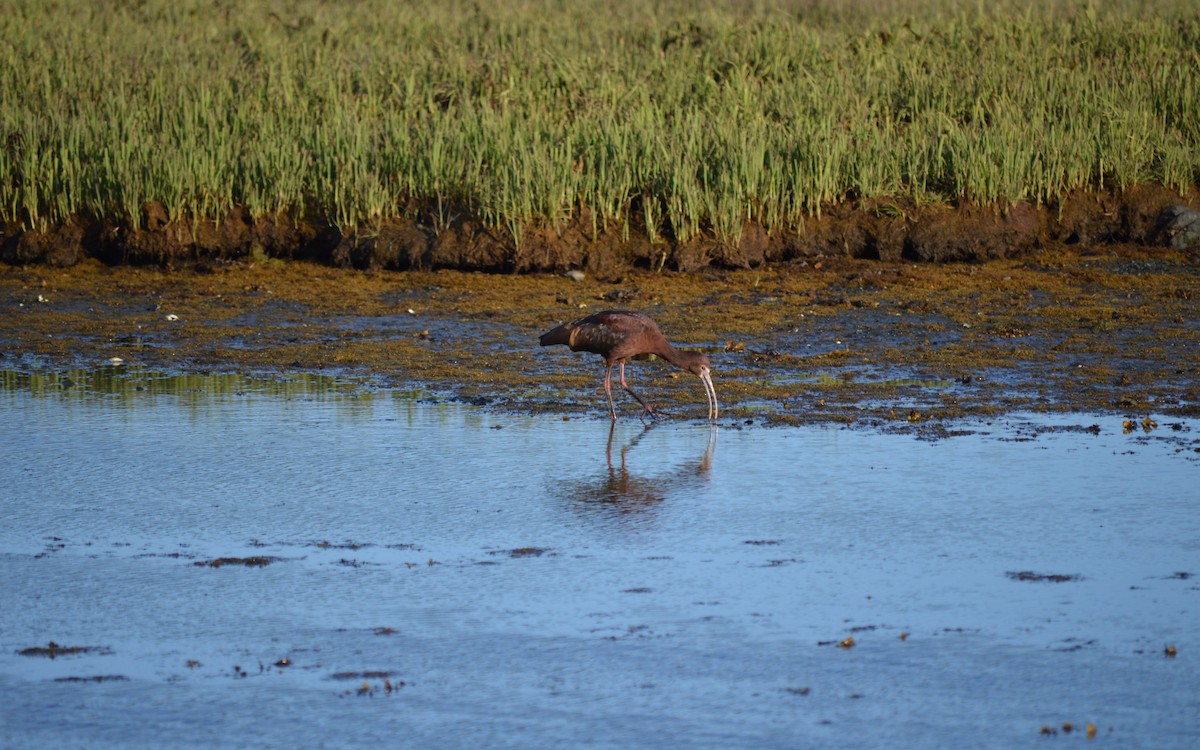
656,118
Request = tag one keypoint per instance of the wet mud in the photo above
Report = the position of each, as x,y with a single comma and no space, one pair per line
894,345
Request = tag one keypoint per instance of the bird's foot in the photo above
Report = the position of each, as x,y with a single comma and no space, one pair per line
654,414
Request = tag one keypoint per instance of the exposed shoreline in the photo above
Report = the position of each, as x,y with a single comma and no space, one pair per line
890,230
890,344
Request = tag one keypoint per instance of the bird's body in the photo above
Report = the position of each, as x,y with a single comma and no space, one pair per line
619,335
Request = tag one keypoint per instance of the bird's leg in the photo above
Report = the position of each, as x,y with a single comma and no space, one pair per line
649,409
612,410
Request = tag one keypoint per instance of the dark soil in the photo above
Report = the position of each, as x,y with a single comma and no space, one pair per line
879,229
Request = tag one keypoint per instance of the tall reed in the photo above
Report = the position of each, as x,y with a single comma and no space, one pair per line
531,113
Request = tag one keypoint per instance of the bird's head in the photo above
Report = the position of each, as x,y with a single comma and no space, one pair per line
698,364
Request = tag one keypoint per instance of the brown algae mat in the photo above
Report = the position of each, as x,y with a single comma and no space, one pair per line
907,345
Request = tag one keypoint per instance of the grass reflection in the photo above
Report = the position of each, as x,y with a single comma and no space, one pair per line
128,385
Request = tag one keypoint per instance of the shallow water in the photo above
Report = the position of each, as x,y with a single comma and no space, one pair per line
529,581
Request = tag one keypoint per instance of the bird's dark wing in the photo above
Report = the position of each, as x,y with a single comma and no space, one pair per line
595,337
611,333
624,322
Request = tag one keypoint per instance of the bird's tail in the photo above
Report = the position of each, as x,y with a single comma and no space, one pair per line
559,335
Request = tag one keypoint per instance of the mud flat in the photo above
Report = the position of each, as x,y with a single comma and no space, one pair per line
894,344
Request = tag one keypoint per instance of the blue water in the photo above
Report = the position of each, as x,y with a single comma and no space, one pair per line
525,581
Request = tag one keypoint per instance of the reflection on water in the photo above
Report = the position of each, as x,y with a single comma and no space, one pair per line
621,489
134,388
530,581
132,384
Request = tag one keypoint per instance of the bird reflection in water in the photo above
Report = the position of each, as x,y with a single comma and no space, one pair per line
623,492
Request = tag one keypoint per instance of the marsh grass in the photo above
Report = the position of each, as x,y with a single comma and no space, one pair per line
654,117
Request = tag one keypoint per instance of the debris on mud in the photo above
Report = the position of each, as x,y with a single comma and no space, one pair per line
54,650
523,552
1028,575
249,562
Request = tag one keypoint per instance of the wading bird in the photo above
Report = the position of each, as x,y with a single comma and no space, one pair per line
618,335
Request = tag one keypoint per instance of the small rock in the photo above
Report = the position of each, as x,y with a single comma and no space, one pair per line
1180,227
574,275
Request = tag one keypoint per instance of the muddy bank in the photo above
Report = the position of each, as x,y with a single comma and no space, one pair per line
1106,329
891,230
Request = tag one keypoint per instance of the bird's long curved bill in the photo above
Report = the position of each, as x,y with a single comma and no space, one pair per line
711,393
